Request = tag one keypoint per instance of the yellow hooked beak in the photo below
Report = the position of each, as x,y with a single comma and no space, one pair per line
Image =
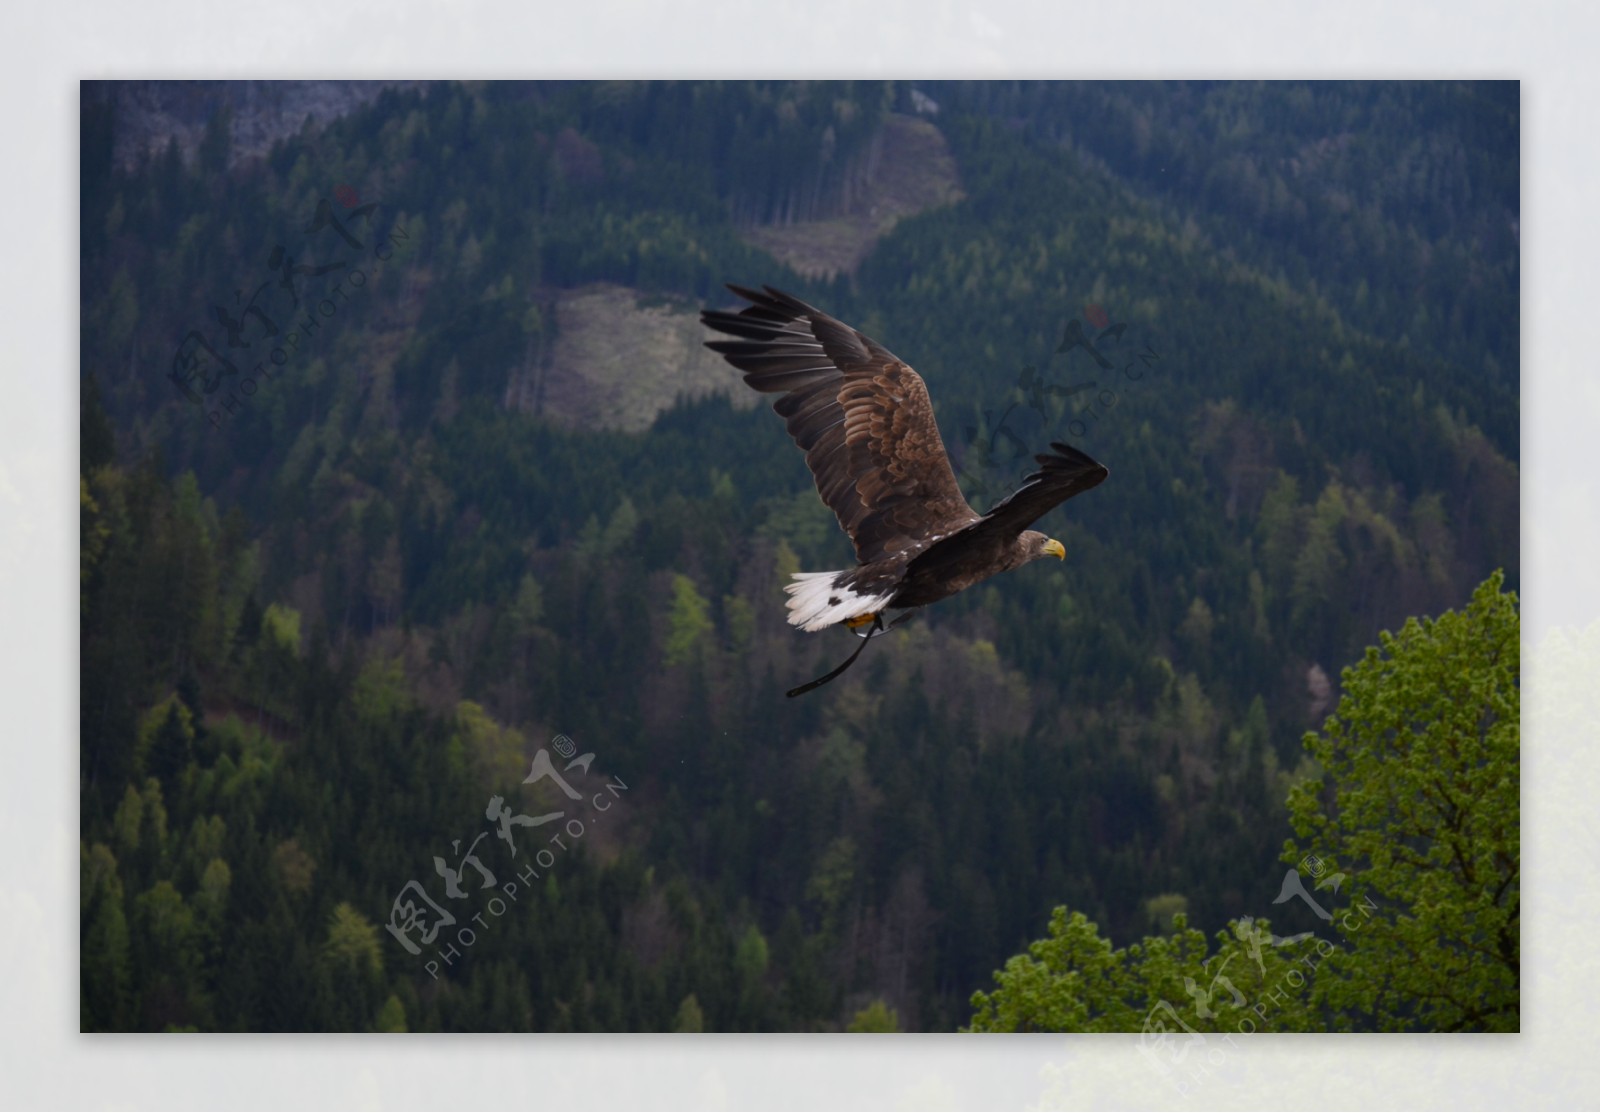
1055,549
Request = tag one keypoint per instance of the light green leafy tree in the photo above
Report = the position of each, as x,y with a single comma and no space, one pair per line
282,625
164,936
392,1017
352,943
750,958
106,976
688,622
1415,805
1075,981
351,974
528,606
1418,802
689,1018
622,527
876,1017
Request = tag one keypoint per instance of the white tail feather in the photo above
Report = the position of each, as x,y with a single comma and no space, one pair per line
815,603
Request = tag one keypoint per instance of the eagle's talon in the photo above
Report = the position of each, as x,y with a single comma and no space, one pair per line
860,620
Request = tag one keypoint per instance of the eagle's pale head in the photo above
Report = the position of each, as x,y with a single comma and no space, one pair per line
1035,545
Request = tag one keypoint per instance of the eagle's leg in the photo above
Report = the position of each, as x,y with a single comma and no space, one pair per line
861,620
850,660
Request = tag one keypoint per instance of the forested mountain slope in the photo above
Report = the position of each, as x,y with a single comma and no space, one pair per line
325,622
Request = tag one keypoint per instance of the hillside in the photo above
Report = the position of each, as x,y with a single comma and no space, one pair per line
905,169
496,493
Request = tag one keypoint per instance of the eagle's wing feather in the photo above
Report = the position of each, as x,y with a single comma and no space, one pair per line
1063,473
861,415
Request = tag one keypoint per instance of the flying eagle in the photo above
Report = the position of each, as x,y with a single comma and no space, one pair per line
863,418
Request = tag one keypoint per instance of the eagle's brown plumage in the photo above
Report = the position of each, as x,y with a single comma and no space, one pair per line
864,420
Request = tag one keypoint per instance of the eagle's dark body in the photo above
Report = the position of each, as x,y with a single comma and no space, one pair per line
866,424
943,570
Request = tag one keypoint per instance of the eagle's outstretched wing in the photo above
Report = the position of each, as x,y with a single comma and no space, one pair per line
1063,472
862,417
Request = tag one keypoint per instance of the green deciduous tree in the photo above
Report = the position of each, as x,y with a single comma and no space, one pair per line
1418,799
105,979
876,1017
688,623
351,971
165,954
1074,981
392,1017
689,1018
1416,803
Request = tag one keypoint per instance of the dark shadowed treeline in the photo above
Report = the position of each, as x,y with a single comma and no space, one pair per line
323,626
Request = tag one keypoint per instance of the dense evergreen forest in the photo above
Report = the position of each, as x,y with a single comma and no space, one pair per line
335,605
